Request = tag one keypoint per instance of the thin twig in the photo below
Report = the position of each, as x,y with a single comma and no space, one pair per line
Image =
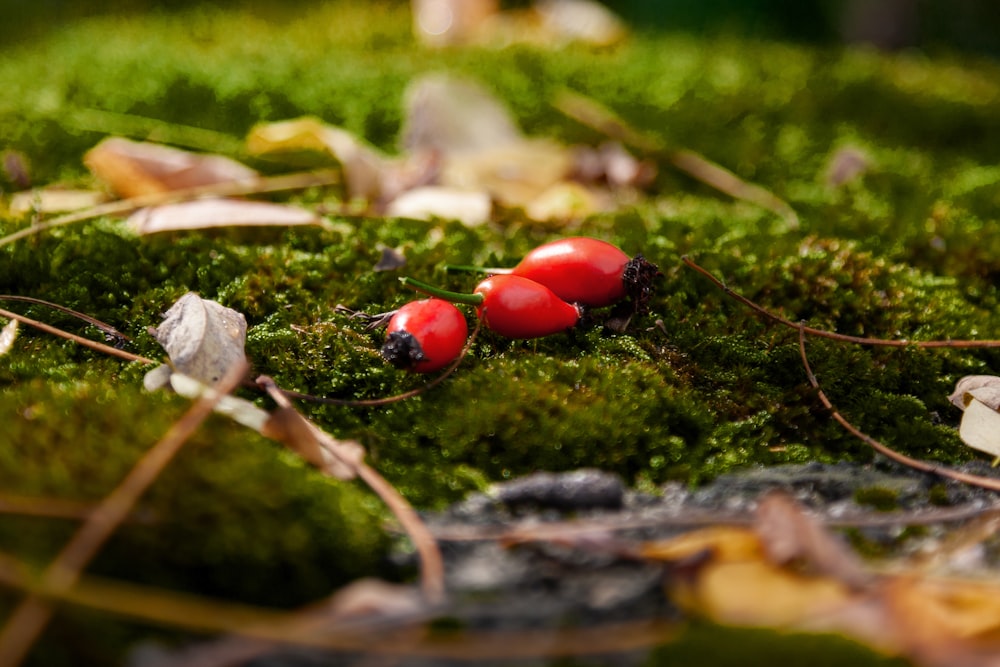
845,338
431,562
109,331
29,619
243,186
990,483
80,340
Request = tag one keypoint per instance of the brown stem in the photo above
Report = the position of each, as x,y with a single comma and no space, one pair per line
108,330
924,466
86,342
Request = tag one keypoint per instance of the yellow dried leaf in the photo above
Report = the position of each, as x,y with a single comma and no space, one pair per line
725,543
364,167
756,593
54,200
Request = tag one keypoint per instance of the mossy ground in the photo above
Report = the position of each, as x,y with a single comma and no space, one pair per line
909,250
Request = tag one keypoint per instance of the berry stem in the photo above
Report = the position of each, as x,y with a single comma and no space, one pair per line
454,297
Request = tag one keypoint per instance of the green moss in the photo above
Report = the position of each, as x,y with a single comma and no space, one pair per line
878,497
717,645
696,388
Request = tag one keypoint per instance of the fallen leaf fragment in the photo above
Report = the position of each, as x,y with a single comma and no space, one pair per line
212,213
202,338
470,207
7,337
363,166
54,200
134,169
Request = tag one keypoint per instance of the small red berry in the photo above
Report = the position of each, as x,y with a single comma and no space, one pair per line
517,307
425,336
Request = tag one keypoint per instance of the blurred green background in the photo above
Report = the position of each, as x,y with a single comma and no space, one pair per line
955,25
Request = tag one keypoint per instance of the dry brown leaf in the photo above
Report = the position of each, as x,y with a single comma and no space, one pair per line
133,169
202,338
720,542
790,536
337,458
54,200
980,427
363,166
7,337
209,213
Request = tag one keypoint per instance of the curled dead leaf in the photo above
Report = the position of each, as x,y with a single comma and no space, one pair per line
202,338
133,168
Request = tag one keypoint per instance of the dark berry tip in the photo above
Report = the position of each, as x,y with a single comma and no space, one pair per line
639,276
402,350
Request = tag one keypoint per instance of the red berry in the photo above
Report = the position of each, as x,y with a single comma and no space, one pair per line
578,269
517,307
425,336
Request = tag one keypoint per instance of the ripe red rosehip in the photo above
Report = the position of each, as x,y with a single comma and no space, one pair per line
586,271
517,307
425,336
578,269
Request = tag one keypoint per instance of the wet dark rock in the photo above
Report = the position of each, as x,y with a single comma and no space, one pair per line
544,580
580,489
